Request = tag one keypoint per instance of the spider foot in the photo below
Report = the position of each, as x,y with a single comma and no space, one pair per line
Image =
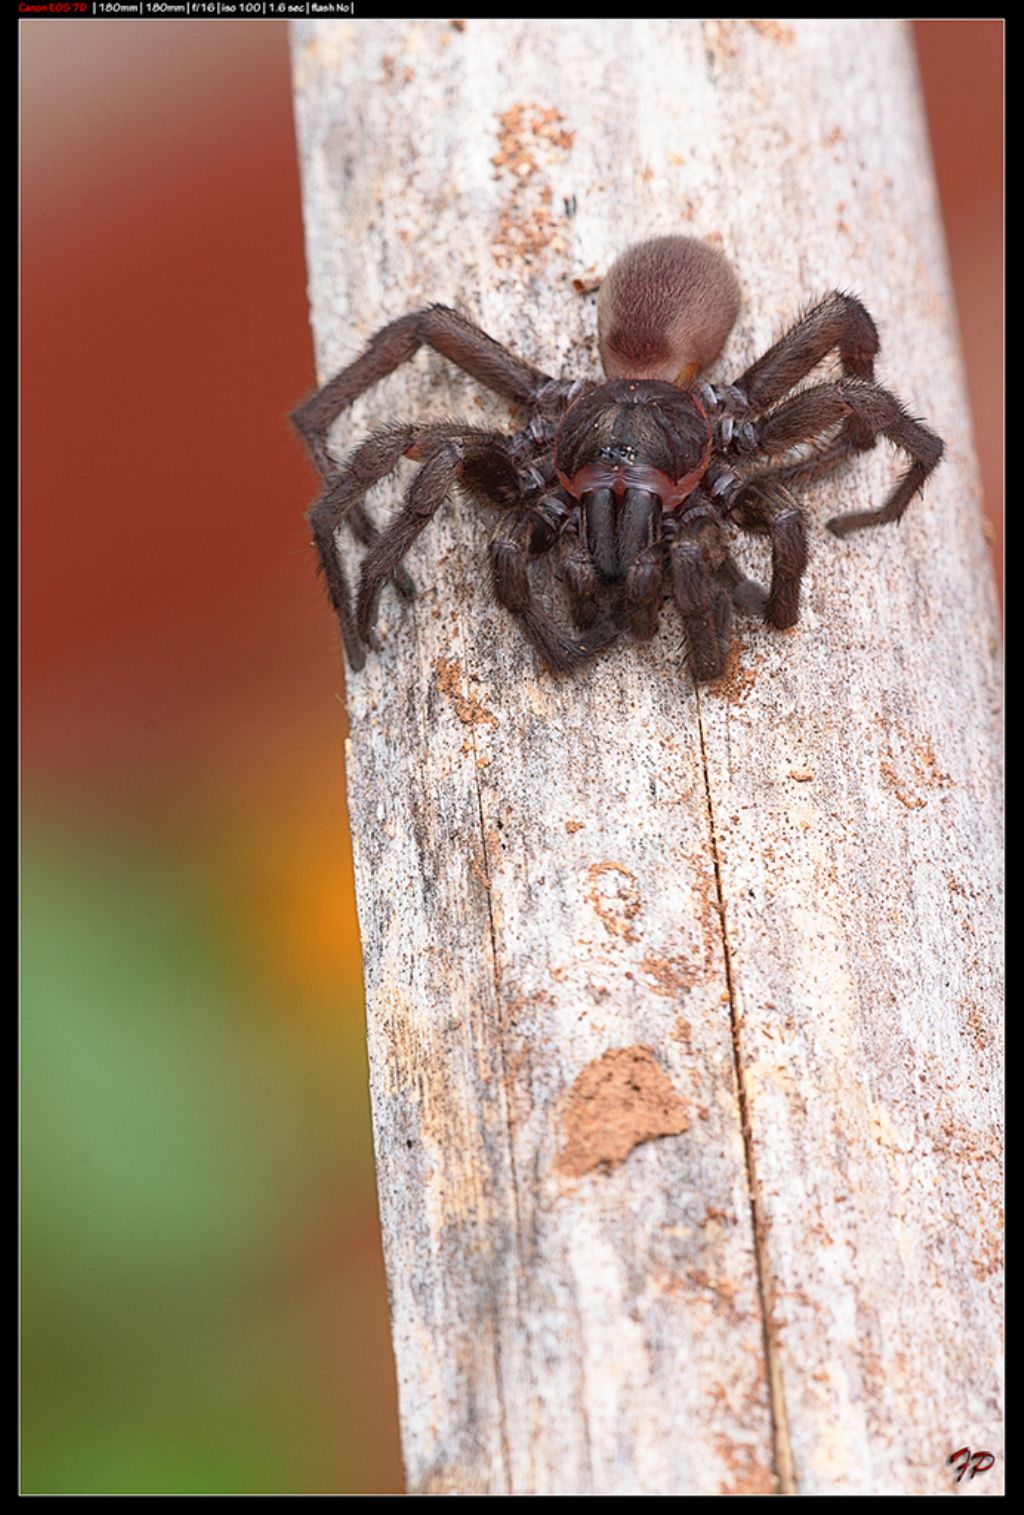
746,594
405,585
707,638
856,520
596,639
750,596
564,653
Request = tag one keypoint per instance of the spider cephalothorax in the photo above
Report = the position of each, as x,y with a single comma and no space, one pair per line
635,484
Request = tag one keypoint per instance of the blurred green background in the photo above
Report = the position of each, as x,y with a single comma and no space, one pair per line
203,1294
203,1291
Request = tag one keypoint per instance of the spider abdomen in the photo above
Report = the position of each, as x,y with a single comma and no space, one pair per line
665,308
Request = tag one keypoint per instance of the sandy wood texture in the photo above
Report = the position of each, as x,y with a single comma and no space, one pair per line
683,1005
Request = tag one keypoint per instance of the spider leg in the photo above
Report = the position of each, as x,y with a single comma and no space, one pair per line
747,594
476,458
697,552
823,461
510,555
366,533
766,505
367,465
839,322
373,460
437,327
580,575
874,409
645,590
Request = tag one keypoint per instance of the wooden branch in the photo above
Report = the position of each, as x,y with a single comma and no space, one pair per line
683,1004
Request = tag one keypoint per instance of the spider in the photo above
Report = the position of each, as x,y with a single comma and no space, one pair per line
635,484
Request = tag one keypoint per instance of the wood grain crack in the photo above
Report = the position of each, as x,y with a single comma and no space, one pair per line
782,1451
503,1097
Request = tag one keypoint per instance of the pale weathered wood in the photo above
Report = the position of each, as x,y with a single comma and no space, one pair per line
683,1006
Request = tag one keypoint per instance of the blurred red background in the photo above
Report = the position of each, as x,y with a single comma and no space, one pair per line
204,1305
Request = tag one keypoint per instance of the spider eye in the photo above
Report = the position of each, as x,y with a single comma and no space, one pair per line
619,453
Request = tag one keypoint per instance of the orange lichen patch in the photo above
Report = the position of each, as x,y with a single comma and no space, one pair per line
480,871
721,42
467,707
988,1261
977,1025
910,765
749,1473
613,893
802,775
933,774
572,826
724,1288
736,681
709,920
531,138
618,1101
774,30
682,1031
669,976
910,800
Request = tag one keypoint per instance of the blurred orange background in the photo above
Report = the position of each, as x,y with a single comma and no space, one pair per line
203,1292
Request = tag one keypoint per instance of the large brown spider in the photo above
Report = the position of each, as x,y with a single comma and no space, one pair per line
634,482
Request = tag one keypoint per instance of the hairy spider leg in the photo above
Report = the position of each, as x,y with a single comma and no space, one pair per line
837,323
480,464
436,326
478,459
456,339
763,504
579,575
511,548
695,556
747,594
373,460
815,410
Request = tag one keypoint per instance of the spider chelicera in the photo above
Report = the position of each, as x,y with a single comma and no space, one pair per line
636,483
